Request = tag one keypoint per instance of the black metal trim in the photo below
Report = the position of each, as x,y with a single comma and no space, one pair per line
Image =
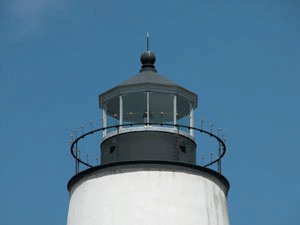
149,164
74,144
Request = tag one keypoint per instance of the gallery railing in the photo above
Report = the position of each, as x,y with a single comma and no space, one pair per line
76,153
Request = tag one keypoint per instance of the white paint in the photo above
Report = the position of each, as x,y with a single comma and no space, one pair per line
104,120
148,105
175,108
191,119
148,197
121,109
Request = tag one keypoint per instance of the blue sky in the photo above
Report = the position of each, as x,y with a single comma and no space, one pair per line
240,57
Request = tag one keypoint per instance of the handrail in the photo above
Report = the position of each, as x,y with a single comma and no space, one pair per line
75,142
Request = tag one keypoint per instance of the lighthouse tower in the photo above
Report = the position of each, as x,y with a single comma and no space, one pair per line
148,173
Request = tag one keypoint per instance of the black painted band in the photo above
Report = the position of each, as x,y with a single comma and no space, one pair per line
178,166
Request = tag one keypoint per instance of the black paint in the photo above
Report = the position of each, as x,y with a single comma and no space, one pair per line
148,145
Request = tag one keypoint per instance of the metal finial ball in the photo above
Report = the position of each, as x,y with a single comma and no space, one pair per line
148,58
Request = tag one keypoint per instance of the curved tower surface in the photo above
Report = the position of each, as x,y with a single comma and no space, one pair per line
148,172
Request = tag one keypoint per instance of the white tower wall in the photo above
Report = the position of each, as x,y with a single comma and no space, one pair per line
133,196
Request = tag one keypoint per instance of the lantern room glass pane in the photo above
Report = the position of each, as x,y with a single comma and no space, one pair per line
161,108
135,108
183,113
113,113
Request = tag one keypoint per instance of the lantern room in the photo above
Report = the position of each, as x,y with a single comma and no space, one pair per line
147,99
142,117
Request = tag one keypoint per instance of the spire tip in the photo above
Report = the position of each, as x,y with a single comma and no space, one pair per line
147,41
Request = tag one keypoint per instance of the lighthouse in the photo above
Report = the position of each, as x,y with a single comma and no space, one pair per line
147,173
